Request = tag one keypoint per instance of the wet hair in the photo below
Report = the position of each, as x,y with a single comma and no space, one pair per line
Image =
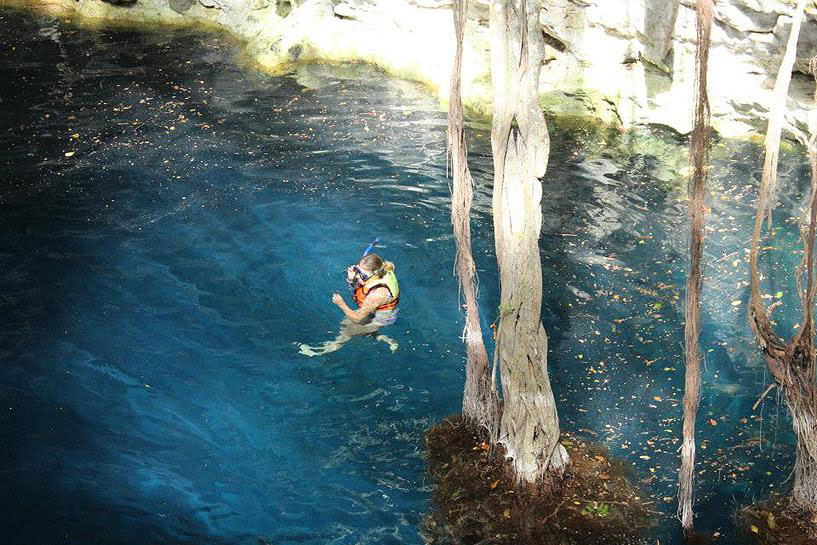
374,263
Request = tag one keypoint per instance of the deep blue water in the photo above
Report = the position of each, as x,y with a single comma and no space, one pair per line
173,224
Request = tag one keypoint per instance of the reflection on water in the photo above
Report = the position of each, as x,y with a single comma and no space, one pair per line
172,226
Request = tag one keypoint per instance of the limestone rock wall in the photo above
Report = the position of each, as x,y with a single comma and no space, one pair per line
625,61
634,60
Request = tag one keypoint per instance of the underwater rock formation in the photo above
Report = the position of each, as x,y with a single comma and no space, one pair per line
622,62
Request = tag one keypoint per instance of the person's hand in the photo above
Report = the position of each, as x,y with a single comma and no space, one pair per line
350,273
337,299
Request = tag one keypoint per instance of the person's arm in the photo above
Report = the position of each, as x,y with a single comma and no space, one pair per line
370,304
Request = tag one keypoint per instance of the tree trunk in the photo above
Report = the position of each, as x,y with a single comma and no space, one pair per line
698,148
529,427
804,417
479,402
778,110
803,404
792,365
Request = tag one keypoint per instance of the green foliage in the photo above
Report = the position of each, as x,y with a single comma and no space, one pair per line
596,509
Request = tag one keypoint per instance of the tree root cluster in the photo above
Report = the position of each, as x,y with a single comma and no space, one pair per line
478,501
778,522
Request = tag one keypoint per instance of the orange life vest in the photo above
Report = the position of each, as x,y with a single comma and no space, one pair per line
362,290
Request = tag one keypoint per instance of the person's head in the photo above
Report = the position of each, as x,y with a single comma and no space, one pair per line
372,265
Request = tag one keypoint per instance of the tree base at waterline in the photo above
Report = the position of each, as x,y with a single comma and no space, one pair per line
477,500
777,522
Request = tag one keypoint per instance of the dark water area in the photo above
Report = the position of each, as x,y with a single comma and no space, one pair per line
173,224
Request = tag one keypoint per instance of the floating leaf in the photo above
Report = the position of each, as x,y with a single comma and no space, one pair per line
754,529
778,295
69,153
494,484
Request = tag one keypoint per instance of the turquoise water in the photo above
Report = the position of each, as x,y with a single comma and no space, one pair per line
173,224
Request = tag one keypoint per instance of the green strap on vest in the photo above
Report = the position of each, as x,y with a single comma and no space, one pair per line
389,280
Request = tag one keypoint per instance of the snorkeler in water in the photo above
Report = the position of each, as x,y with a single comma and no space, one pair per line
376,293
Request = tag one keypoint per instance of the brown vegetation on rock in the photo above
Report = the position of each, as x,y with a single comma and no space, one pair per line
478,499
778,522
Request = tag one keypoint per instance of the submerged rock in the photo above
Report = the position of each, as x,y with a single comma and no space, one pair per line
180,6
620,62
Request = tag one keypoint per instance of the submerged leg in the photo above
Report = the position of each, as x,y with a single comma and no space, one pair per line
325,347
348,330
393,346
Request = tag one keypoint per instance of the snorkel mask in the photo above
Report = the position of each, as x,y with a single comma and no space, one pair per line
358,273
362,275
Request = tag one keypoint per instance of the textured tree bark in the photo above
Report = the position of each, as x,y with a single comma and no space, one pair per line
801,374
698,148
479,401
792,365
804,416
777,112
529,426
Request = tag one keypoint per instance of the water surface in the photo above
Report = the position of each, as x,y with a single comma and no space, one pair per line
172,224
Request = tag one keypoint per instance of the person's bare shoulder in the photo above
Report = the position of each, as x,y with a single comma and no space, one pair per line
380,292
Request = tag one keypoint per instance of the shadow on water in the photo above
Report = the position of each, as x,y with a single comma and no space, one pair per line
45,508
173,225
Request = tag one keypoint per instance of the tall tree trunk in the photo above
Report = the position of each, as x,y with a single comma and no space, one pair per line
804,415
698,152
804,405
792,365
479,402
529,426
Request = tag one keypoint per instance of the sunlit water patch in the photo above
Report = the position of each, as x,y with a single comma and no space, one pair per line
173,225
